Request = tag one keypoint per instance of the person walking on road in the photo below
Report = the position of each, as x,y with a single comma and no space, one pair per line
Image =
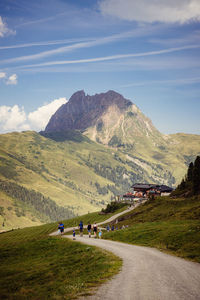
74,234
81,228
61,228
95,230
100,233
108,228
89,228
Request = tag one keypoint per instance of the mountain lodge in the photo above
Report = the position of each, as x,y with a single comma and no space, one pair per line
142,190
146,188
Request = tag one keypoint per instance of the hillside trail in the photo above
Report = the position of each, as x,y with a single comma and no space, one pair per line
114,217
146,274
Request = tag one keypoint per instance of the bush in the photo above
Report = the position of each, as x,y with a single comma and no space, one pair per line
113,206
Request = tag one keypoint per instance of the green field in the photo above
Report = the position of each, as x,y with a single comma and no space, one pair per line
171,225
36,266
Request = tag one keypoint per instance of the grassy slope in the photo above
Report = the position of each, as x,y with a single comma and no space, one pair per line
9,215
67,172
171,225
57,170
35,266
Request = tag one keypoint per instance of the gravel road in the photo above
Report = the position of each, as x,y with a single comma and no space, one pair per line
147,274
104,222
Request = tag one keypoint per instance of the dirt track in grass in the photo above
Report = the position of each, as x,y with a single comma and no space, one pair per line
147,274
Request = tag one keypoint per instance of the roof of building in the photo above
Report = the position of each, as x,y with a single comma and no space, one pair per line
162,188
143,185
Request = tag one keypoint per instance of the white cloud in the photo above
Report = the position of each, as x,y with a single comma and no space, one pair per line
40,117
168,11
4,30
12,79
2,75
9,80
15,118
12,119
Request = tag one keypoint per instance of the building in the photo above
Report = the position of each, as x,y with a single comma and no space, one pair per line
146,188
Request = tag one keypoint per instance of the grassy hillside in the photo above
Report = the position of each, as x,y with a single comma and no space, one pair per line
76,175
171,225
36,266
70,175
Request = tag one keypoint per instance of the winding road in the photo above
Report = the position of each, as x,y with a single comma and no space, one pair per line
114,217
146,274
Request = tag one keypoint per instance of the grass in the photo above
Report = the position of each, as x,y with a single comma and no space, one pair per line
171,225
67,172
36,266
181,238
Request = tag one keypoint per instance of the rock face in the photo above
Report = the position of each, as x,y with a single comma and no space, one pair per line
106,118
83,111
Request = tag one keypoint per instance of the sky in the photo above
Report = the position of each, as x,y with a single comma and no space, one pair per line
146,50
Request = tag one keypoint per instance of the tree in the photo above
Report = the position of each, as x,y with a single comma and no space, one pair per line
196,176
182,185
190,172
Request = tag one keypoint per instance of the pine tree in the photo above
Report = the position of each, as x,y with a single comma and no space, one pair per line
190,172
182,185
196,176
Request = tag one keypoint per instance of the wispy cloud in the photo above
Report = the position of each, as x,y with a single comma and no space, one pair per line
180,11
4,30
87,43
38,21
2,75
12,80
191,38
180,81
113,57
46,43
9,80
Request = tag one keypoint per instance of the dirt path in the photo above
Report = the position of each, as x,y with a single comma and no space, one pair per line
104,222
147,274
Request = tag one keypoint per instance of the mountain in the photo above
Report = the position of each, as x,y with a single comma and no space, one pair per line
83,111
111,120
107,118
93,148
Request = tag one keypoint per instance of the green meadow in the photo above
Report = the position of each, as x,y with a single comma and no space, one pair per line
171,225
36,266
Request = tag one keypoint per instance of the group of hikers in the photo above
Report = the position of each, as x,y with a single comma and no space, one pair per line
90,229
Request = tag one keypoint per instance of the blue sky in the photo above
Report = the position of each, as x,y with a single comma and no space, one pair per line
147,50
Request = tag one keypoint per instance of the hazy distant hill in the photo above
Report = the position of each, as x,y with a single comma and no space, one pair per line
93,148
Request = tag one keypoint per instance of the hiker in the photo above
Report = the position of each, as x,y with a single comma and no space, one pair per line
81,228
74,234
100,233
61,228
95,230
113,228
108,228
89,227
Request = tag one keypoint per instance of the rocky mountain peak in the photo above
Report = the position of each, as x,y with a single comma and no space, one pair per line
83,111
77,96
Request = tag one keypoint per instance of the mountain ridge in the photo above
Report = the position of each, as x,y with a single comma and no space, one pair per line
81,111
